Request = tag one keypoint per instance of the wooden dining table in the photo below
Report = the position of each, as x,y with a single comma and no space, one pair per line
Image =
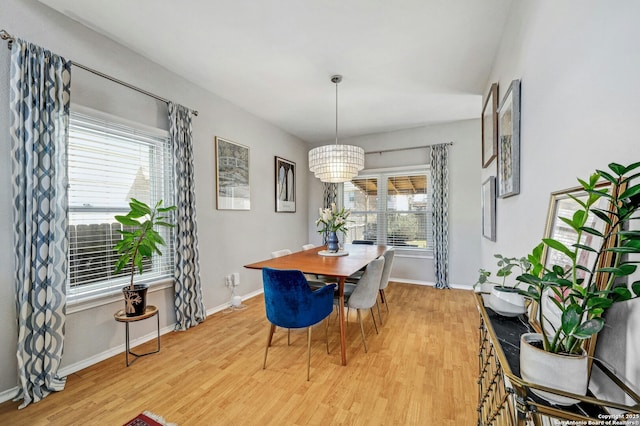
340,267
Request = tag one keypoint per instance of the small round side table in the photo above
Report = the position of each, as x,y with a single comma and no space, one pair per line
149,312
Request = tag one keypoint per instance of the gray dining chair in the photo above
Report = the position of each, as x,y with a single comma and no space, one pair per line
280,253
384,280
365,294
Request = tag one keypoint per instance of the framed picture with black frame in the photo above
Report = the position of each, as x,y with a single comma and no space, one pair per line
285,183
509,142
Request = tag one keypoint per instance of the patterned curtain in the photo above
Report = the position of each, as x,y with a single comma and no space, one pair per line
39,109
440,212
188,289
329,195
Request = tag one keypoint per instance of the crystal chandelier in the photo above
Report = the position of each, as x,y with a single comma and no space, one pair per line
336,163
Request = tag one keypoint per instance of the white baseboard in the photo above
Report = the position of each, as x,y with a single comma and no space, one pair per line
430,283
9,394
70,369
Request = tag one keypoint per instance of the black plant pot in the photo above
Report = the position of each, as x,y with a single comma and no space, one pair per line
135,301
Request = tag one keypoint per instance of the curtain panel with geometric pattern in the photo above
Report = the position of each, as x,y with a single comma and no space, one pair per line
188,303
39,120
440,212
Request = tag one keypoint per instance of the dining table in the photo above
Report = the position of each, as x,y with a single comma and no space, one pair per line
350,259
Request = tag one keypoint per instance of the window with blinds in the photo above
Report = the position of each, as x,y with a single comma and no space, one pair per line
110,162
390,208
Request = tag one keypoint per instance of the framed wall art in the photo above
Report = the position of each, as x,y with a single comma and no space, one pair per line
489,208
285,180
232,176
509,142
490,126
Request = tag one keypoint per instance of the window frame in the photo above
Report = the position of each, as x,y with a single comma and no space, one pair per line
100,293
382,174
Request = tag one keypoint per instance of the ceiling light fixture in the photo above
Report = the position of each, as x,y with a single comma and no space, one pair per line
336,163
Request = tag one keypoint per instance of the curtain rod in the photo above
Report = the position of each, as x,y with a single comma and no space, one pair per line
6,36
406,149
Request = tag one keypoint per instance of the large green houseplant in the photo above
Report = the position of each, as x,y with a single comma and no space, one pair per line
140,240
583,292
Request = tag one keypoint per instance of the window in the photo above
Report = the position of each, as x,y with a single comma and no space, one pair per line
109,162
390,208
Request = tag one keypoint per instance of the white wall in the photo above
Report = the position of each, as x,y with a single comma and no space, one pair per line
579,65
228,239
464,173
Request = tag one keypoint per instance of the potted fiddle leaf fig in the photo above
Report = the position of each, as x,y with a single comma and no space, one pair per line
580,294
140,240
504,298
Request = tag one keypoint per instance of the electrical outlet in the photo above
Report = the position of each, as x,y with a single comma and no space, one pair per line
236,278
228,280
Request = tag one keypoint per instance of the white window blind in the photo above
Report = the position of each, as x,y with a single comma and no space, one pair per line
390,208
108,164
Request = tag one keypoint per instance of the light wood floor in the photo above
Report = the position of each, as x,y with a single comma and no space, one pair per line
420,370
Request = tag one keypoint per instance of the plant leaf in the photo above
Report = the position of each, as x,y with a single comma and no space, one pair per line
127,221
167,209
618,169
608,176
588,328
631,167
620,294
577,200
557,245
592,231
623,250
630,192
620,271
585,247
570,319
599,302
602,215
573,224
629,234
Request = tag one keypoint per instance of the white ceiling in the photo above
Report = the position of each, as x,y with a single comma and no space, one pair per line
406,63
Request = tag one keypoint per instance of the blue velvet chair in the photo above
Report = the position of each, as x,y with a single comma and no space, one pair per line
290,303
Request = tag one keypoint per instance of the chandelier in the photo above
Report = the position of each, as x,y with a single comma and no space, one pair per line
336,163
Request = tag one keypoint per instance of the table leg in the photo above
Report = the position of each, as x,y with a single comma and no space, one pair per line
343,341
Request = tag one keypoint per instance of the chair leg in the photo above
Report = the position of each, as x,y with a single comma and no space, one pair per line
288,337
271,330
384,299
308,352
373,317
379,315
364,341
326,333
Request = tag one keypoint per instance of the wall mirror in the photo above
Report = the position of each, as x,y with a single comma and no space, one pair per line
563,204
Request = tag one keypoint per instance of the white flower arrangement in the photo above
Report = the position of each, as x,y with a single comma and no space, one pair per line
333,220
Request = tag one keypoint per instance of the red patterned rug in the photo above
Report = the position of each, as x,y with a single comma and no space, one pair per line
147,418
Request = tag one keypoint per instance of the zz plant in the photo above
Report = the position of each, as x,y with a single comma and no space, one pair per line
506,266
575,291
